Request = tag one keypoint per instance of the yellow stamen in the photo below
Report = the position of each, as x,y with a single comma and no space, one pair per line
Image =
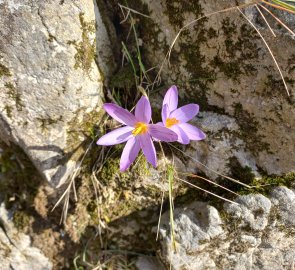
140,128
171,122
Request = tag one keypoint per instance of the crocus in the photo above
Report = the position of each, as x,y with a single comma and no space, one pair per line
176,118
138,132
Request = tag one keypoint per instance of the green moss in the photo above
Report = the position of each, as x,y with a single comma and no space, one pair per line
265,184
239,51
243,173
177,11
8,110
45,122
124,78
236,171
201,75
89,126
21,219
4,71
231,70
85,54
275,87
15,95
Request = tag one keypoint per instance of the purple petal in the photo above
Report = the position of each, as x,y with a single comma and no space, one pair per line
182,136
148,148
120,114
171,98
165,113
159,124
129,153
192,132
143,111
185,113
162,133
116,136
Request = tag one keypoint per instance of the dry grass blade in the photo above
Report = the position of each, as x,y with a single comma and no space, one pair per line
66,194
270,29
131,10
264,41
160,216
278,20
199,162
210,181
211,193
278,7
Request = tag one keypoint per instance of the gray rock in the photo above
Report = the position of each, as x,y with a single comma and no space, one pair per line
148,263
194,225
221,142
16,251
252,211
277,251
245,241
284,199
50,85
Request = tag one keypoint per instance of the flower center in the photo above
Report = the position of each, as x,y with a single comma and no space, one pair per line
171,122
140,128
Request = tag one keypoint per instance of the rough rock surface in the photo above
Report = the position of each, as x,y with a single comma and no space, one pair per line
222,64
16,251
256,234
148,263
220,147
50,85
196,223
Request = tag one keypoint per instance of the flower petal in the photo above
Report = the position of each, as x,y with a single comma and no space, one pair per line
162,133
148,148
185,113
129,153
143,111
120,114
182,136
116,136
171,98
165,113
192,132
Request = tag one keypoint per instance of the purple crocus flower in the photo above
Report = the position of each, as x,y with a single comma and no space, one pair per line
138,132
176,119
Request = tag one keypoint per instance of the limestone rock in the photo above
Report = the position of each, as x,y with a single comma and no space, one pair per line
16,251
50,86
246,239
196,223
284,199
220,147
148,263
252,211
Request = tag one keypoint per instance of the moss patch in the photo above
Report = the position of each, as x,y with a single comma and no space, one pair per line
21,220
265,184
48,121
4,71
240,49
14,94
275,87
177,11
8,110
85,54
